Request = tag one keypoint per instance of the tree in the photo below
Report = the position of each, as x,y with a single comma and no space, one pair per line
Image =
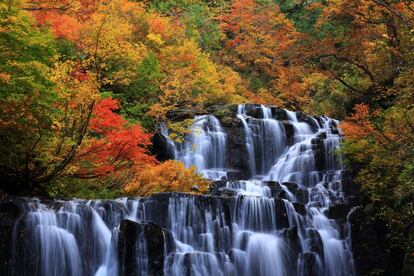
362,46
257,37
112,145
193,81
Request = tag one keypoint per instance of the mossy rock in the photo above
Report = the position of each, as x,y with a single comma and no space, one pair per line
225,114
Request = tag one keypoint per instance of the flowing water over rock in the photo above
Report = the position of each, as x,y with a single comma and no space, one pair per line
287,218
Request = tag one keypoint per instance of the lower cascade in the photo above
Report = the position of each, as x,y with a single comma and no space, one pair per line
277,209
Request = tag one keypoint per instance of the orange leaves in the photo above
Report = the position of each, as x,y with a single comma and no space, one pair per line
358,125
4,77
66,18
258,41
158,25
257,34
169,176
62,25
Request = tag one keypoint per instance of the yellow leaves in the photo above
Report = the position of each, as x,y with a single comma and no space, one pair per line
73,84
156,39
178,130
193,80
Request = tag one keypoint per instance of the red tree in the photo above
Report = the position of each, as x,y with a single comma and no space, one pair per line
113,143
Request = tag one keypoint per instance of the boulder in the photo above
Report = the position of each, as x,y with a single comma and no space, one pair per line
315,242
279,113
275,189
338,211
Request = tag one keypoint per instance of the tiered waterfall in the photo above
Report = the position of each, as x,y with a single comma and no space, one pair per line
276,207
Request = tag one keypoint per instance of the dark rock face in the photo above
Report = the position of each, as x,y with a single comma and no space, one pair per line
128,235
315,241
275,189
237,156
18,248
9,213
292,240
300,193
302,117
224,192
127,247
282,219
156,208
254,111
370,246
225,114
289,131
300,208
318,147
160,148
309,264
279,114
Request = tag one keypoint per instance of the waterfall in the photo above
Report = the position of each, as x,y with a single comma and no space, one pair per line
204,147
279,222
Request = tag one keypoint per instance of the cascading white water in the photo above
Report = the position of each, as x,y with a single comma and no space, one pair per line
76,237
274,224
204,147
262,244
248,133
265,139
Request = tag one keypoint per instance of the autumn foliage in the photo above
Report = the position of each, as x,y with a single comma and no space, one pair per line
169,176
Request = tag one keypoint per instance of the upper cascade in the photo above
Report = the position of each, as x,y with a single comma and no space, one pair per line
279,145
276,207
